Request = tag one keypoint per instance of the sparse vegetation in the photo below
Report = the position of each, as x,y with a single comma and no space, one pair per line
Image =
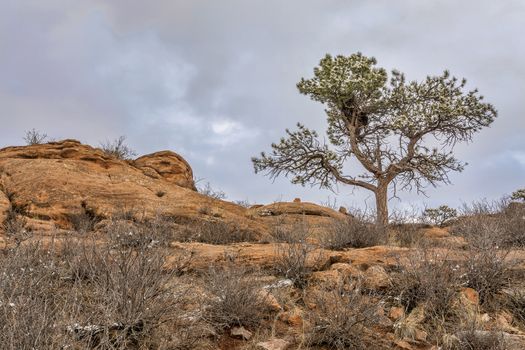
14,223
341,318
236,298
487,224
353,233
80,293
297,258
127,279
118,148
220,232
430,279
488,271
473,339
34,137
209,191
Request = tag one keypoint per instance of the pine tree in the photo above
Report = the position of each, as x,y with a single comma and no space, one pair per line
401,133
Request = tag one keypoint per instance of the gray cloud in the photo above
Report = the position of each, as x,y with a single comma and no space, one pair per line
215,81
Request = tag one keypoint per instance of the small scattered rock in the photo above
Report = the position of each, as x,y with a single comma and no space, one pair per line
484,318
279,284
420,335
265,212
376,278
297,200
396,313
292,318
274,344
402,344
343,210
270,301
470,295
241,333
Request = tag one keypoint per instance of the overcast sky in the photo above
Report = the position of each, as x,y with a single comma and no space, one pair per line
215,80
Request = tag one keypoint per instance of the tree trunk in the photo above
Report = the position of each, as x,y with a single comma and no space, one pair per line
382,204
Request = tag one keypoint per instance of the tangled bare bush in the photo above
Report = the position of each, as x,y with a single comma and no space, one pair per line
84,221
488,271
220,232
118,149
237,298
341,318
14,225
297,261
515,303
158,231
487,223
473,339
296,232
34,137
84,294
209,191
429,278
355,233
31,304
135,298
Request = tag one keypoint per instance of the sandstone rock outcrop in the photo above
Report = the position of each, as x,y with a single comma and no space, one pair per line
295,208
53,182
169,166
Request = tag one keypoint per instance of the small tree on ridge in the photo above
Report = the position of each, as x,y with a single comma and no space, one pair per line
401,133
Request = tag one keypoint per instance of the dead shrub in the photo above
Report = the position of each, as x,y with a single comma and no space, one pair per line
428,278
353,233
406,235
488,271
220,232
80,294
131,296
484,223
514,219
35,137
31,303
298,231
473,339
118,149
297,261
515,304
211,192
236,298
84,221
155,232
341,318
14,226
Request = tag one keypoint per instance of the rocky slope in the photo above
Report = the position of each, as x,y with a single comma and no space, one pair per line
51,184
